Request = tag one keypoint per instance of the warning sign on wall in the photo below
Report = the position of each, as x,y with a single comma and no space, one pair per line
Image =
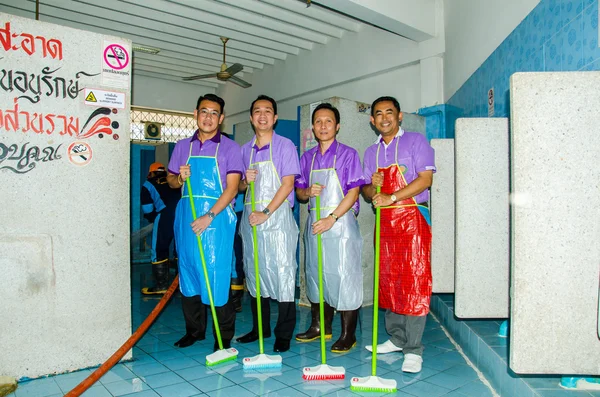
111,99
116,64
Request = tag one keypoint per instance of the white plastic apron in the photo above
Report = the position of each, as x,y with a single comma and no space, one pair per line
277,237
342,247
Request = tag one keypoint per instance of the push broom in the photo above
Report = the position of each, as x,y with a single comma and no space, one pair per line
323,371
221,355
374,383
262,360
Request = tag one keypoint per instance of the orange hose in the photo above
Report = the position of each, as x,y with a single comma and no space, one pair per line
133,339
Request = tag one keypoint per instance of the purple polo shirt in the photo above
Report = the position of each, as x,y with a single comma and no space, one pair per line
347,167
228,157
285,158
414,152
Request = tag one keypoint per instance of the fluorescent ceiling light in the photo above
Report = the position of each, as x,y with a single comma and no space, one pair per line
147,50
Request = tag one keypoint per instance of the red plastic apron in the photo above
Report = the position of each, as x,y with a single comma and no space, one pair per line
405,251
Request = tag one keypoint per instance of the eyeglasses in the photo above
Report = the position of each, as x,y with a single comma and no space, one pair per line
208,113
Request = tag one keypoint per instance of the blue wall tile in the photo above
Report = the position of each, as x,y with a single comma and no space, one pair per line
558,35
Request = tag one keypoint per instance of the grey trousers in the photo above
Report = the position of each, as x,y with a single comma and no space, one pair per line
406,331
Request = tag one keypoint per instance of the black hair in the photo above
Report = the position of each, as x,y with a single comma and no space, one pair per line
384,99
327,106
213,98
265,98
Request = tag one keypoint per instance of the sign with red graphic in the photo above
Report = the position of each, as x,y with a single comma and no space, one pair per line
116,64
80,153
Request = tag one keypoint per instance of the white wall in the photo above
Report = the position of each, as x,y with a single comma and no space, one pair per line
359,66
166,94
403,83
474,29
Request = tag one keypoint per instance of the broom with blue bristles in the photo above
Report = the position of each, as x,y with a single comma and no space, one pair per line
221,355
373,382
323,371
262,360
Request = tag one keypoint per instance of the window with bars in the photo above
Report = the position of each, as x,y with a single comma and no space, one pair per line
173,125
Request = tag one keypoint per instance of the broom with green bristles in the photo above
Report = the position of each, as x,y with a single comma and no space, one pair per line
373,382
262,360
221,355
323,371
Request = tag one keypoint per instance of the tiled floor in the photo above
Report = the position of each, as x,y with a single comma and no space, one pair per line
489,352
160,369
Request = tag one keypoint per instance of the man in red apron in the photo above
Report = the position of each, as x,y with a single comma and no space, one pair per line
402,164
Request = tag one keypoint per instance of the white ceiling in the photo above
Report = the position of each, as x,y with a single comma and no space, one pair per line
261,32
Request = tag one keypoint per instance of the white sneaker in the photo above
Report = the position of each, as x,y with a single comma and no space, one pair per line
412,363
386,347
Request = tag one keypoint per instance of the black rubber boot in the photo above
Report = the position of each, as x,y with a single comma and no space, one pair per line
160,271
314,331
348,337
236,293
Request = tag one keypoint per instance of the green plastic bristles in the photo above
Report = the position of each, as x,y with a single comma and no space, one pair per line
221,356
373,384
206,279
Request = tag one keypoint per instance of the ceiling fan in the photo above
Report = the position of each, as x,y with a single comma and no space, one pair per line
226,73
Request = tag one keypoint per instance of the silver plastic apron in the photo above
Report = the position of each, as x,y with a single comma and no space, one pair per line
277,237
342,247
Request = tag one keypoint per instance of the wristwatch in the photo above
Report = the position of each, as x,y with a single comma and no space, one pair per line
211,214
334,216
394,198
266,212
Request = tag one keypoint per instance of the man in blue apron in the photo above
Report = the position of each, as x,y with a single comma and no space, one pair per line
213,163
271,162
158,205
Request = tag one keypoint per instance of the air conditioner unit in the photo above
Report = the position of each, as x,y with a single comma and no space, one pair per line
152,130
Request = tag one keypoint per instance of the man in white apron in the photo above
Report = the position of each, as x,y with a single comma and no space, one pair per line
332,171
271,162
213,163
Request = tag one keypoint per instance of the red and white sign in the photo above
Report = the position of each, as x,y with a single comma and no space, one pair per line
116,64
80,153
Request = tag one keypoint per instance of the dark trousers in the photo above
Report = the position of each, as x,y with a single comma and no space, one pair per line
237,248
164,236
194,313
286,320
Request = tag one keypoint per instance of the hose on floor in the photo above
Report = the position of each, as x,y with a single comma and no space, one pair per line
133,339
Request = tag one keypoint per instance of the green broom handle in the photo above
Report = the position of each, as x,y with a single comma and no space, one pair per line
258,297
376,286
321,299
210,297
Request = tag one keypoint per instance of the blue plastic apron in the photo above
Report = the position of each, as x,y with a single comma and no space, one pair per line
217,239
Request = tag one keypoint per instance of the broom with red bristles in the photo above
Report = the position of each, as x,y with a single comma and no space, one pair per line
323,371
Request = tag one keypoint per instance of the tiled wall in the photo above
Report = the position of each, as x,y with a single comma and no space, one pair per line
558,35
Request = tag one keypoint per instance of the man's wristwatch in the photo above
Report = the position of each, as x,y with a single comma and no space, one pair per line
266,212
211,214
334,216
394,198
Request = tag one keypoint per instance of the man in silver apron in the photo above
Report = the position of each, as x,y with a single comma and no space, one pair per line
340,233
271,162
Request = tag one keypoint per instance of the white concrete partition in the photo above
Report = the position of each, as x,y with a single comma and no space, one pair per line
64,171
555,223
442,217
482,258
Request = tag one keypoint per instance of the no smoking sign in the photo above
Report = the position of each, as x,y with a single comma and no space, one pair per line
116,64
